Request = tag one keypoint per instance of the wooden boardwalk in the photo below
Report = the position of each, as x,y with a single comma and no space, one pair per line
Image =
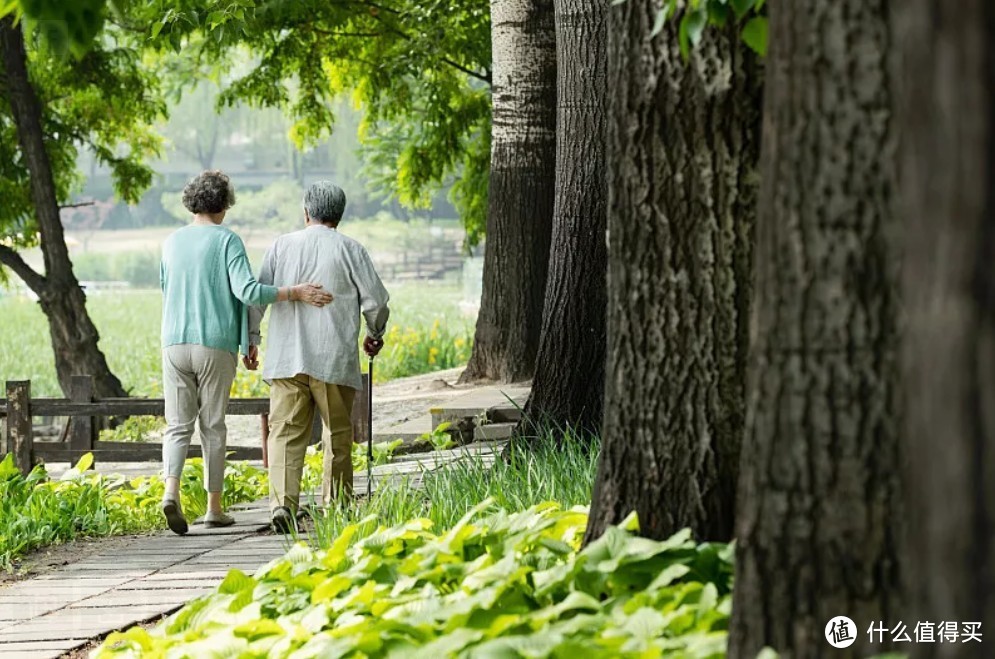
151,576
148,577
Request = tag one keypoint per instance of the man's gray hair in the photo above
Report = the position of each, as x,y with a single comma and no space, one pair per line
324,202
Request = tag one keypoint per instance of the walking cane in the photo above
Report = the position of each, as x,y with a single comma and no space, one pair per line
369,434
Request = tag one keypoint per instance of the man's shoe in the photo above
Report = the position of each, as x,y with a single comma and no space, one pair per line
174,515
218,520
283,520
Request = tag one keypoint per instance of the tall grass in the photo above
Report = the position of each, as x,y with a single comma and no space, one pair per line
552,467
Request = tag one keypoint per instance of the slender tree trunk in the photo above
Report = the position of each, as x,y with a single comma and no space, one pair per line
520,199
568,387
817,532
946,116
683,154
74,336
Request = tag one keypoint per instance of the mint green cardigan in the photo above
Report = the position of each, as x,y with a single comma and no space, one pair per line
207,286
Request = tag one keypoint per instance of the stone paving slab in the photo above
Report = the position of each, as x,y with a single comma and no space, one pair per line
38,649
142,597
150,577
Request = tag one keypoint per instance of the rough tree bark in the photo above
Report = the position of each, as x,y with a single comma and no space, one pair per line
946,117
520,199
683,154
568,386
74,336
819,498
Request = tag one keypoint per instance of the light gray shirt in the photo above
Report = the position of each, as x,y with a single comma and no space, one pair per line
320,342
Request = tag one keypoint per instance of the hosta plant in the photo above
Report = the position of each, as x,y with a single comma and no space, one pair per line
501,585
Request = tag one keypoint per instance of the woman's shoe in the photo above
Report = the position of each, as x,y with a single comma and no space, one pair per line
218,520
173,511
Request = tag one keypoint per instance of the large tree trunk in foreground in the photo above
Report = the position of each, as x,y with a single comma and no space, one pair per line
520,199
74,336
683,152
816,530
947,121
568,386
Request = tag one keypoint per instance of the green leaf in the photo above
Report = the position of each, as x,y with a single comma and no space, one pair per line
235,582
718,14
85,462
740,7
755,35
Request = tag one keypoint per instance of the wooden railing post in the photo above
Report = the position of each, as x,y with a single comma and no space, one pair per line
19,439
82,428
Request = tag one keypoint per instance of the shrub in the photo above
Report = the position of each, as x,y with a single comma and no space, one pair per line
36,511
504,585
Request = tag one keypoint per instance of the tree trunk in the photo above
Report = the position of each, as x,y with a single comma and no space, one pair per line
74,337
817,532
568,387
520,200
946,116
683,154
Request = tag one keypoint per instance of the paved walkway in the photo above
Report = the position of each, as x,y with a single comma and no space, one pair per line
151,576
148,577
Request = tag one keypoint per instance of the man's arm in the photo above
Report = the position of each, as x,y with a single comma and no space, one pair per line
373,297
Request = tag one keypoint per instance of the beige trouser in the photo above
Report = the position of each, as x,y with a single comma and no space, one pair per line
292,404
196,383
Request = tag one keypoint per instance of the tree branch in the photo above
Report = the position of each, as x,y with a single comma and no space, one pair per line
485,77
13,260
78,205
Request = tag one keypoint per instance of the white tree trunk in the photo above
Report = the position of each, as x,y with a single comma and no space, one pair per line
520,205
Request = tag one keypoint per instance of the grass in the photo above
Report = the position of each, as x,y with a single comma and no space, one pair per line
427,332
562,472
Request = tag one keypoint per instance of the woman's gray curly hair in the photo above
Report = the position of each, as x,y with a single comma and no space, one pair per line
209,192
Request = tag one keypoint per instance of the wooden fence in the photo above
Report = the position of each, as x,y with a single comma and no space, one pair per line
85,412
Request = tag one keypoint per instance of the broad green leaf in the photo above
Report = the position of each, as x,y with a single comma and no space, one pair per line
85,462
258,628
235,582
755,35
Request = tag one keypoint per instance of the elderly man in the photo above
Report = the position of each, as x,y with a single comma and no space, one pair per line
312,361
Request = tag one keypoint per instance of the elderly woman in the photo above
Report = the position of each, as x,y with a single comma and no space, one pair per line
207,285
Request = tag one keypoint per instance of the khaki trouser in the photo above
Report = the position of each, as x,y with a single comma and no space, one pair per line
292,404
196,383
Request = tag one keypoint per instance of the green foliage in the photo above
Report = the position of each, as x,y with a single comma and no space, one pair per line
419,71
418,349
140,269
697,14
103,100
440,438
134,429
499,585
558,468
65,27
36,511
